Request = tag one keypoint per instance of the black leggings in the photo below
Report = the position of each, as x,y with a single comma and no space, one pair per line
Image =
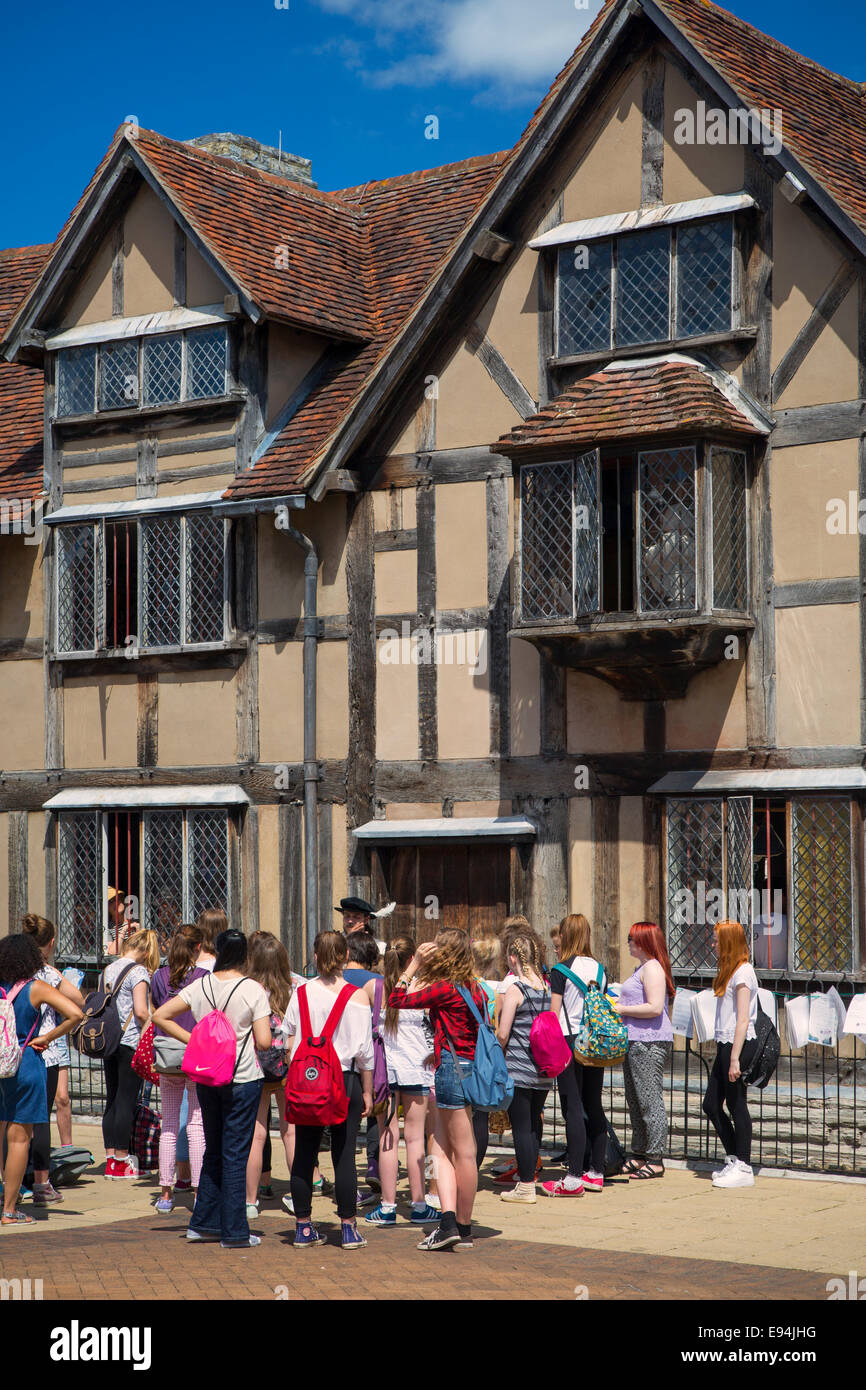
481,1130
41,1147
580,1088
122,1088
736,1137
307,1141
525,1111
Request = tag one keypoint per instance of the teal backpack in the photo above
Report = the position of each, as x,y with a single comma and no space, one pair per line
602,1039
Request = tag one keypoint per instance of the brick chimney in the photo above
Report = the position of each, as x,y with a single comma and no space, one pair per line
258,156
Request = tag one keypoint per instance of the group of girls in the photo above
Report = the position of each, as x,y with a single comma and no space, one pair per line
420,1010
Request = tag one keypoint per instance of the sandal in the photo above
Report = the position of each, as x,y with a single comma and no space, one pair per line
16,1218
650,1170
633,1165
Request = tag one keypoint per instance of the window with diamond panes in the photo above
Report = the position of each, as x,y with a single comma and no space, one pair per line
162,362
643,263
643,280
695,867
163,871
183,868
205,579
76,381
821,882
76,588
704,261
161,589
584,298
118,376
730,540
667,530
207,848
206,363
547,541
79,874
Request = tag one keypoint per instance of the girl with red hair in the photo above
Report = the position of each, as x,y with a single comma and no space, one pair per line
643,1003
736,991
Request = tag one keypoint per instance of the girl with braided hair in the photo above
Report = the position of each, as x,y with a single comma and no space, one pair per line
524,1000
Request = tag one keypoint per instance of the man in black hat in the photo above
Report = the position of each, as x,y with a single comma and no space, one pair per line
357,915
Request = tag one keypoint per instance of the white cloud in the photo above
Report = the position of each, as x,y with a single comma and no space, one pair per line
516,46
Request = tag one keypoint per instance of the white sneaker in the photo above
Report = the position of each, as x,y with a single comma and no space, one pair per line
737,1175
523,1192
729,1159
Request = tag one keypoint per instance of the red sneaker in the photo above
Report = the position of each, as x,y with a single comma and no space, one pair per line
510,1175
110,1166
559,1189
126,1169
593,1182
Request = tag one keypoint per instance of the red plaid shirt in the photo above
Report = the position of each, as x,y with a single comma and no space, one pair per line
447,1010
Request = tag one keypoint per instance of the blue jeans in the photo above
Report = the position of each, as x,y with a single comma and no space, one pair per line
229,1115
449,1081
182,1154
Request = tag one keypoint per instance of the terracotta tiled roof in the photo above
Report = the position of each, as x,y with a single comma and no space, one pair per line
823,114
21,388
412,222
669,396
246,215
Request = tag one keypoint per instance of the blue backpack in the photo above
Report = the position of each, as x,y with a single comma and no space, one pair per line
486,1083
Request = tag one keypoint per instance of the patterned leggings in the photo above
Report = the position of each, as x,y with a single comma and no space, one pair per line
643,1071
171,1089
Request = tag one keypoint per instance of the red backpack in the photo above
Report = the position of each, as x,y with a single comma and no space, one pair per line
315,1092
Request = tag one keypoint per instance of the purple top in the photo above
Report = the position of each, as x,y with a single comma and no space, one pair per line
656,1029
161,991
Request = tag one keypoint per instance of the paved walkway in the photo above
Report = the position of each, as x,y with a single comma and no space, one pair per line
675,1238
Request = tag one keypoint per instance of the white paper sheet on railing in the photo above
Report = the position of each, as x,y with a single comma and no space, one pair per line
823,1021
855,1018
797,1020
681,1012
704,1015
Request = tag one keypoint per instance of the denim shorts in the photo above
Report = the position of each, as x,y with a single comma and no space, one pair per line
449,1089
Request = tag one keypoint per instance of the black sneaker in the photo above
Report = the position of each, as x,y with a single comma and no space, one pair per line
440,1239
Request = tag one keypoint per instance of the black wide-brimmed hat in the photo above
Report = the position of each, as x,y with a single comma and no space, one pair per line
355,905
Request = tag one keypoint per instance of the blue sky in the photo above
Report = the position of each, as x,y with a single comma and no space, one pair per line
348,82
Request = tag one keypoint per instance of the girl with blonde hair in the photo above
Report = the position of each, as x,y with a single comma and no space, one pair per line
440,967
410,1080
136,964
736,991
528,997
579,1087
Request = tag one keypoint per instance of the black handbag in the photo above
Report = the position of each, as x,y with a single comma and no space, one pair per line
760,1055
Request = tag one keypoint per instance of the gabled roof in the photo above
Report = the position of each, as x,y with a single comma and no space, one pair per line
823,114
635,400
373,267
21,388
412,222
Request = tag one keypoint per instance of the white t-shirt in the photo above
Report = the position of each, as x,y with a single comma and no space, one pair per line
123,998
353,1040
248,1002
408,1049
726,1006
572,997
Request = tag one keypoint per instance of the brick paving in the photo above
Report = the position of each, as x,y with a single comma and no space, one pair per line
147,1258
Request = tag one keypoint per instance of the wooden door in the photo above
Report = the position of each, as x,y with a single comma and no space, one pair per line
444,885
